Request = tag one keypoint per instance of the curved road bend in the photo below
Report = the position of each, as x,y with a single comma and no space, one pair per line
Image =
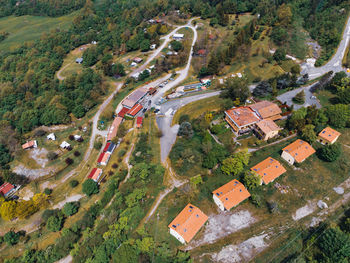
335,64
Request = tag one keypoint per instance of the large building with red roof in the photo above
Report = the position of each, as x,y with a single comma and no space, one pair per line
230,195
186,224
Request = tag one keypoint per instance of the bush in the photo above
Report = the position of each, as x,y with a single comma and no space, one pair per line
39,133
70,208
11,238
98,145
54,223
255,199
47,191
51,156
50,212
73,183
184,118
115,166
330,153
69,161
90,187
122,152
299,98
76,153
71,137
185,130
273,207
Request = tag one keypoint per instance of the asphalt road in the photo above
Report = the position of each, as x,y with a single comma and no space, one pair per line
335,64
165,118
310,99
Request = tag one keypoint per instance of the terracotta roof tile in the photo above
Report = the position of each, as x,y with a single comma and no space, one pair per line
242,116
188,222
269,169
134,110
266,109
329,134
231,194
95,173
299,150
267,126
5,188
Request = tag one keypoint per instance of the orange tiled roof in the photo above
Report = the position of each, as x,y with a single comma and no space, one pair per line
329,134
95,173
114,128
105,157
242,116
28,144
269,169
267,126
188,222
300,150
266,109
134,110
231,194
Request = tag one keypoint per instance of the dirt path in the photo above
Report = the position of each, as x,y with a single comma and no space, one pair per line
215,138
59,76
276,142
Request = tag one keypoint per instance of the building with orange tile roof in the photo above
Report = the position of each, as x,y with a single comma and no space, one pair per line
134,110
266,129
186,225
328,136
241,119
30,144
112,132
139,121
103,158
230,195
297,151
269,170
267,110
95,174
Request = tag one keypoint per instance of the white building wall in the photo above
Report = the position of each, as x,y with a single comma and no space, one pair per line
218,202
286,156
177,236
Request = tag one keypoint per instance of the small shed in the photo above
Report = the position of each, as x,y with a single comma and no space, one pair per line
139,121
51,136
30,144
79,60
65,145
77,137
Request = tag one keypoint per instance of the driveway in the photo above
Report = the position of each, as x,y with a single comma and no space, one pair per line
335,64
165,118
288,96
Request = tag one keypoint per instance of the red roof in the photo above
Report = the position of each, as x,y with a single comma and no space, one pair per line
201,52
134,110
5,188
100,157
106,147
93,171
122,112
139,120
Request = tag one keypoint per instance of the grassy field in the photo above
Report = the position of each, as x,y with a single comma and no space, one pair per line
195,109
29,28
324,97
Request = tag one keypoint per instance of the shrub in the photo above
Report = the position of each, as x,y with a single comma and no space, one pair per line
122,152
54,223
69,161
71,137
70,208
50,212
73,183
299,98
76,153
98,145
184,118
39,133
115,166
51,156
47,191
90,187
330,153
273,207
255,199
11,238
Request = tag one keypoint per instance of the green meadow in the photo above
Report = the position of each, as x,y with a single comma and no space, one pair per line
22,29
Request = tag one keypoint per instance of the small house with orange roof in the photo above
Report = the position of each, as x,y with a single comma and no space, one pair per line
7,189
139,122
268,170
186,224
267,110
95,174
297,151
241,119
103,158
30,144
266,129
328,136
230,195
